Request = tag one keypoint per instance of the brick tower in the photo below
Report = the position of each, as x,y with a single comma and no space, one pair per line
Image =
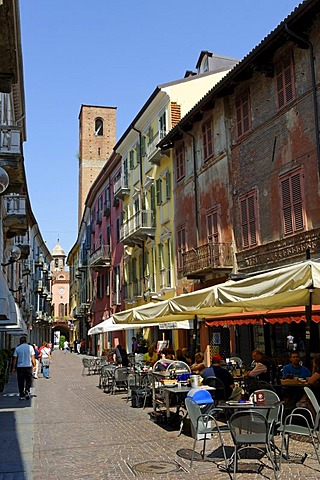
97,137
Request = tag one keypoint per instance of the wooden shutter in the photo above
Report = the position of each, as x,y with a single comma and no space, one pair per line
159,191
248,221
292,204
285,81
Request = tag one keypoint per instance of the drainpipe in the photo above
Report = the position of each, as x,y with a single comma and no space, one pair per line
143,206
308,44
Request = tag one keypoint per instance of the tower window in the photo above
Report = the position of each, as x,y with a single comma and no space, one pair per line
98,127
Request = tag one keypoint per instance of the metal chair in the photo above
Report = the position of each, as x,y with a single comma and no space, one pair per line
251,430
220,391
301,422
204,425
106,377
87,364
274,415
120,379
144,391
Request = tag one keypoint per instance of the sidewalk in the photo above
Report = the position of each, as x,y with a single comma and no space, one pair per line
72,430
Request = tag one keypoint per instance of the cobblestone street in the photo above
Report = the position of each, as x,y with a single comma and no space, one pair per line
71,429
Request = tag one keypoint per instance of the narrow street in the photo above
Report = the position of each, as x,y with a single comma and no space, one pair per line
72,430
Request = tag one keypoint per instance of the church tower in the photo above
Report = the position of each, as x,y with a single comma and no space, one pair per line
97,137
60,284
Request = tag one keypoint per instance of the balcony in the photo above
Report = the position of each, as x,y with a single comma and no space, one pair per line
138,228
121,187
101,257
23,243
201,261
152,151
9,141
15,218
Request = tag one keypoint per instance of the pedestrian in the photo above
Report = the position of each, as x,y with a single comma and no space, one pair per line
134,345
121,357
36,356
82,346
66,346
23,363
78,346
46,361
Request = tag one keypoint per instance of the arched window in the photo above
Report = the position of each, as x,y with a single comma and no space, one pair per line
98,127
61,310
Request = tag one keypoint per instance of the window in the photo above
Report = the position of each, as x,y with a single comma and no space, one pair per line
168,185
162,125
293,216
100,281
98,127
118,229
249,223
108,239
243,117
180,162
61,310
181,246
207,140
131,159
284,75
213,226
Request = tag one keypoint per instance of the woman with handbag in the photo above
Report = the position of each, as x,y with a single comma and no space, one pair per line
45,360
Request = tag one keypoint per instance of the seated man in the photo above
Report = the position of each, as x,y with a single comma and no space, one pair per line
216,370
295,368
262,367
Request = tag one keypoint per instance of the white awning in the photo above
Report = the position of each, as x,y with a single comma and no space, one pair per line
19,327
109,325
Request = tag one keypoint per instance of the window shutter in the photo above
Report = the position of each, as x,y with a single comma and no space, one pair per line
159,193
285,81
152,198
252,221
168,185
244,224
131,159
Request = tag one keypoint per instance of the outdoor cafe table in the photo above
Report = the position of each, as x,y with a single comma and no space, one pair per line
180,393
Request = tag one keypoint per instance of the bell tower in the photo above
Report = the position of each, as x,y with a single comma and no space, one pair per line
97,137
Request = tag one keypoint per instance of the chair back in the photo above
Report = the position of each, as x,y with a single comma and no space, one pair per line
199,422
220,392
270,398
315,405
249,427
237,360
120,374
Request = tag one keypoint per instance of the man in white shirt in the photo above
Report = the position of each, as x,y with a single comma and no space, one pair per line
24,362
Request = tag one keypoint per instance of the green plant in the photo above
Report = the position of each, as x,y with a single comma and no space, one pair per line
61,341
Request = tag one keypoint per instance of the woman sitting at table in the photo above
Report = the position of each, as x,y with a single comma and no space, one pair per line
314,381
198,366
151,357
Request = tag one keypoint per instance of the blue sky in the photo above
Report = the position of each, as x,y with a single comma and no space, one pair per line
114,53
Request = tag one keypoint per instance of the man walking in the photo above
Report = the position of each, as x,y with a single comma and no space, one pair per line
24,362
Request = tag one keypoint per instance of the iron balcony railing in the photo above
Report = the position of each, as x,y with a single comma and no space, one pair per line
9,140
121,186
206,258
100,256
152,151
140,225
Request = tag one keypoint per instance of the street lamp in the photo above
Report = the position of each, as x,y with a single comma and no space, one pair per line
4,180
15,254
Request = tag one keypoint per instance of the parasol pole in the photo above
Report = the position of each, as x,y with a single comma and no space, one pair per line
308,312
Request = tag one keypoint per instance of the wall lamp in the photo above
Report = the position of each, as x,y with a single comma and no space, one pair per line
15,254
19,289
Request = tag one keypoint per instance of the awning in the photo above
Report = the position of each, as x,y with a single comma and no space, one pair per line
19,327
7,308
291,286
109,325
283,315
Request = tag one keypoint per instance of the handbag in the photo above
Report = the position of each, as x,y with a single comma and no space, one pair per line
45,362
